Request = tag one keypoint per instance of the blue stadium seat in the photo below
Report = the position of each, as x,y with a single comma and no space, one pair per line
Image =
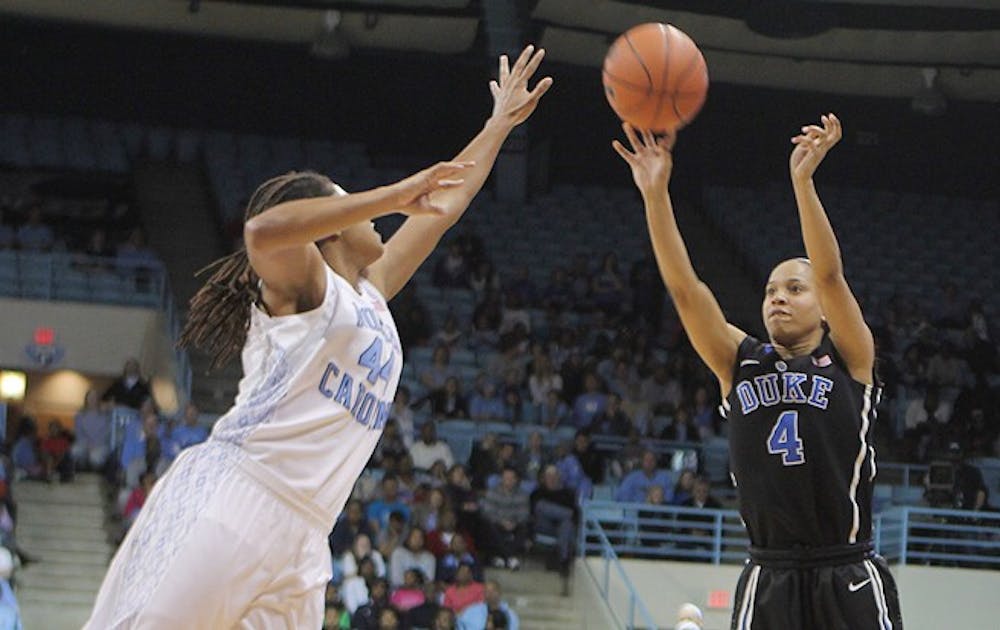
461,447
564,433
495,426
603,492
456,426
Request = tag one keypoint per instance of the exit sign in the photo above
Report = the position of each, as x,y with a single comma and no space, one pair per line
719,599
45,336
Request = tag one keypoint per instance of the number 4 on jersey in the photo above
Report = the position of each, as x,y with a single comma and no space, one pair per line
784,439
371,358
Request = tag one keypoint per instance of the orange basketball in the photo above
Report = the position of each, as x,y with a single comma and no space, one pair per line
655,77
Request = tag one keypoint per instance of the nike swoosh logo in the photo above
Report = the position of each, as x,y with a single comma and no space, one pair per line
854,588
746,362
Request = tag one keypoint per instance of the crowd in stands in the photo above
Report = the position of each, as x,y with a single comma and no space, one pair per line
146,446
36,225
595,349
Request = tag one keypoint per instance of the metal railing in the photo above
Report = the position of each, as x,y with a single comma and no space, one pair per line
72,277
603,582
666,532
961,538
121,417
907,535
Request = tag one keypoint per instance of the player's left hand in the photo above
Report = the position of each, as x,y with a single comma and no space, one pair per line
413,194
512,101
812,145
650,159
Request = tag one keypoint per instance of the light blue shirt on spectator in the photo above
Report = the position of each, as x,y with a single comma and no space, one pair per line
571,472
93,428
24,455
636,484
379,511
586,406
480,407
185,436
134,444
474,617
10,614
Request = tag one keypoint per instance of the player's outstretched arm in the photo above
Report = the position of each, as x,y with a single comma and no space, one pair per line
513,103
715,340
280,241
848,330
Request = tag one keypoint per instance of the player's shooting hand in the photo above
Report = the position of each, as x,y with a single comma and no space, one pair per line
513,102
413,194
650,159
811,146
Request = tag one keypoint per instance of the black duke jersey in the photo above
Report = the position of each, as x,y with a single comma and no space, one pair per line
800,447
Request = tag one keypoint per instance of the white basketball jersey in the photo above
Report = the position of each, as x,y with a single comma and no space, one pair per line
316,391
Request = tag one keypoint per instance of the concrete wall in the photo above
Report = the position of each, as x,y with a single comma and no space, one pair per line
932,598
95,341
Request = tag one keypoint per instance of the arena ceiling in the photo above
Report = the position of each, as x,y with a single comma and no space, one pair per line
862,47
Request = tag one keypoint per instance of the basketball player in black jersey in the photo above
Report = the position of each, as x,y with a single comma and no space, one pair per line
800,408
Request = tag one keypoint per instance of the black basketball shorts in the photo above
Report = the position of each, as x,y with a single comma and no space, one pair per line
848,588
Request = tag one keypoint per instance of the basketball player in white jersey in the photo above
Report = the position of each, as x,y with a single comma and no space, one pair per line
235,534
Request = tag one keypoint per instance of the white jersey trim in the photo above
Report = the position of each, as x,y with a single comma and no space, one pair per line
745,620
859,460
878,590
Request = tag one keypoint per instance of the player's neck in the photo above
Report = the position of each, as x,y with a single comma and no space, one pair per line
343,263
801,347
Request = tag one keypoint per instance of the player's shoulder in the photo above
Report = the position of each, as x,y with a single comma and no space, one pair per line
752,351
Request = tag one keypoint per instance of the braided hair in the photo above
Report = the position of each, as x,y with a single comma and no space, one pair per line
219,313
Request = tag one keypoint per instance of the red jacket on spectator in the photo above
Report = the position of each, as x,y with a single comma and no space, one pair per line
57,446
458,598
437,545
135,502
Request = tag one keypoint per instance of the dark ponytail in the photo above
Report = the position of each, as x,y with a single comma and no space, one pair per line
219,313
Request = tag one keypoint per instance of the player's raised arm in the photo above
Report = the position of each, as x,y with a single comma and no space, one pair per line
513,103
715,340
848,331
280,242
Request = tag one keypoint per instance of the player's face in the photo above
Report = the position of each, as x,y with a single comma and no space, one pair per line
791,308
364,241
361,238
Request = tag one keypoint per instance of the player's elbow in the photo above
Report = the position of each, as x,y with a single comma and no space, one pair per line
258,234
684,294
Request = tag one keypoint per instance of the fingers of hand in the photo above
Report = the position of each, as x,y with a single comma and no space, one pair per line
541,88
835,126
504,69
444,169
809,140
627,155
648,140
633,139
494,88
522,60
533,63
450,183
